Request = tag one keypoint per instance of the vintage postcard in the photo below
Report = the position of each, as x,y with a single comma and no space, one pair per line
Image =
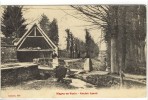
73,51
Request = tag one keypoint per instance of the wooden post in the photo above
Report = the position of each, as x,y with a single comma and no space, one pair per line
121,78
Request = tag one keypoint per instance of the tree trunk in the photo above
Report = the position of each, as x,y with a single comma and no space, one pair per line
114,66
121,41
109,53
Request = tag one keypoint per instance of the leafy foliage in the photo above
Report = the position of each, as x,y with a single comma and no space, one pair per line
50,28
45,24
77,48
53,32
92,49
13,23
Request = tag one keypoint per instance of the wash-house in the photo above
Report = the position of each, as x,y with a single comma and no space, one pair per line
34,44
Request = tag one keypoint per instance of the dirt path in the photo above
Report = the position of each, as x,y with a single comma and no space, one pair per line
49,83
81,84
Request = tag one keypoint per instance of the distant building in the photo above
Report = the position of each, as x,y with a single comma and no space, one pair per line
34,44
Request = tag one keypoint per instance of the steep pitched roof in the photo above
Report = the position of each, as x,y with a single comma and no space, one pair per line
22,39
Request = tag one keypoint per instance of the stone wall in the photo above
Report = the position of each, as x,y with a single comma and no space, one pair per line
18,74
8,54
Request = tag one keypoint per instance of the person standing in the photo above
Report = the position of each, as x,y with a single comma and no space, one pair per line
54,59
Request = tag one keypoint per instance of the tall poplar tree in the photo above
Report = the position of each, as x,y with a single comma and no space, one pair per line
45,24
53,32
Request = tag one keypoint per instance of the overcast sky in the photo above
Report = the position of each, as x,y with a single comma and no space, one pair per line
64,16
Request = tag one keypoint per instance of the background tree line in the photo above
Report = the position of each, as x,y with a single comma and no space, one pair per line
14,24
50,28
125,34
79,49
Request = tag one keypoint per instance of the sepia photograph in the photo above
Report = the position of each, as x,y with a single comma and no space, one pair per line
73,51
